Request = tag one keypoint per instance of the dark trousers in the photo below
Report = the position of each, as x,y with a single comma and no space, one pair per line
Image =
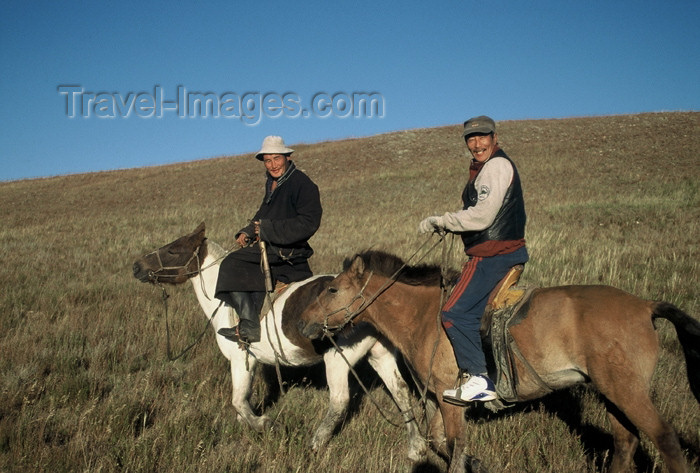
461,315
241,270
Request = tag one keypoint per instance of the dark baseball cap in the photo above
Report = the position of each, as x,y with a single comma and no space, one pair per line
481,124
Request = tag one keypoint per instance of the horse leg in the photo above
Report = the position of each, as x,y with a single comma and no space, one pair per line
384,363
242,381
436,429
337,371
642,413
626,383
626,439
625,380
455,427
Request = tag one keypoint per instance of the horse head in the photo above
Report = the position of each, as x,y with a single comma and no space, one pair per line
175,262
339,304
348,295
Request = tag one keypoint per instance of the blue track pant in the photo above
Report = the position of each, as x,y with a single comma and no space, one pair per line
461,315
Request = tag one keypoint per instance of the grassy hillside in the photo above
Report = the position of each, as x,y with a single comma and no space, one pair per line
86,385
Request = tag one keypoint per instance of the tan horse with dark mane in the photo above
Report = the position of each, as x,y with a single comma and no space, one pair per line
570,334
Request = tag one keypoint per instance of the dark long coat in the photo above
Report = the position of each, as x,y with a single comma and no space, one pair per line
289,215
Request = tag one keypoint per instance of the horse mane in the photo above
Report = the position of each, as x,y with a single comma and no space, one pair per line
215,250
387,265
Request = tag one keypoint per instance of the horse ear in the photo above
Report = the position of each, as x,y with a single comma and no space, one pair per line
197,236
358,266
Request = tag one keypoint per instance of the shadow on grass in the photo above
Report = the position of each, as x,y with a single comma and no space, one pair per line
597,442
314,377
426,467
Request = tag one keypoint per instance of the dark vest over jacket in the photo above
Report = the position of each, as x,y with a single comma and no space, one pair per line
510,220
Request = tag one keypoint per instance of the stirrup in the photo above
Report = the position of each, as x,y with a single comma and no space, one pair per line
231,333
462,377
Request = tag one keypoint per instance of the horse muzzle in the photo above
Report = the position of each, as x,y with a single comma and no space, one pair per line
311,330
141,273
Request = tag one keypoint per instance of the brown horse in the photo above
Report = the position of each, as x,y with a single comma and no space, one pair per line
571,334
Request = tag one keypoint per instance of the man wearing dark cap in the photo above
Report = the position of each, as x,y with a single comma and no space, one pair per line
492,227
289,215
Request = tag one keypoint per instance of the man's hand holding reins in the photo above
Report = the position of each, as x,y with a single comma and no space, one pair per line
243,239
431,224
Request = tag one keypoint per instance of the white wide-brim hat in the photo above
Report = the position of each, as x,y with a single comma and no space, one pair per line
273,145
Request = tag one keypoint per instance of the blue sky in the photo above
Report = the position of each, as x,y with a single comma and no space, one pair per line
119,67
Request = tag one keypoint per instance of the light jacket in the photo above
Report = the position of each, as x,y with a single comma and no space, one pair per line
493,218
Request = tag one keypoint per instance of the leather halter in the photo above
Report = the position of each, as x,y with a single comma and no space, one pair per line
350,315
153,275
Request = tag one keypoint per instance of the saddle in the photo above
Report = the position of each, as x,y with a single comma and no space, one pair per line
280,287
505,293
508,305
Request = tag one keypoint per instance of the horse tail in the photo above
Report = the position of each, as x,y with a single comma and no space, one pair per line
688,331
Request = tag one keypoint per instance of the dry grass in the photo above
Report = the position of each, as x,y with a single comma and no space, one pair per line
85,383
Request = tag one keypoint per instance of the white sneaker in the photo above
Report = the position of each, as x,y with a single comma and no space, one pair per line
476,388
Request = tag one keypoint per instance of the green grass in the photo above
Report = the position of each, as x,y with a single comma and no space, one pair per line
86,385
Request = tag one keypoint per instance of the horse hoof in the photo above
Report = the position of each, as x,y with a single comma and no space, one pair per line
267,423
262,424
318,442
418,452
416,457
474,465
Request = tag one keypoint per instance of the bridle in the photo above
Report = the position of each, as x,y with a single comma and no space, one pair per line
155,277
350,316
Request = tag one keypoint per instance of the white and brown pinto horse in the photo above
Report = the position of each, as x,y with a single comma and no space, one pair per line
570,334
193,257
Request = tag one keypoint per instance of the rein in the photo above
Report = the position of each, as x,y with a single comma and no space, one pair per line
155,278
328,330
350,315
366,391
165,297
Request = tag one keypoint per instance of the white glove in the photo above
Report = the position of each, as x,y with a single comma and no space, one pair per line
430,224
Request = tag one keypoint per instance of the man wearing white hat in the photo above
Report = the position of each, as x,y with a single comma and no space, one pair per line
289,215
